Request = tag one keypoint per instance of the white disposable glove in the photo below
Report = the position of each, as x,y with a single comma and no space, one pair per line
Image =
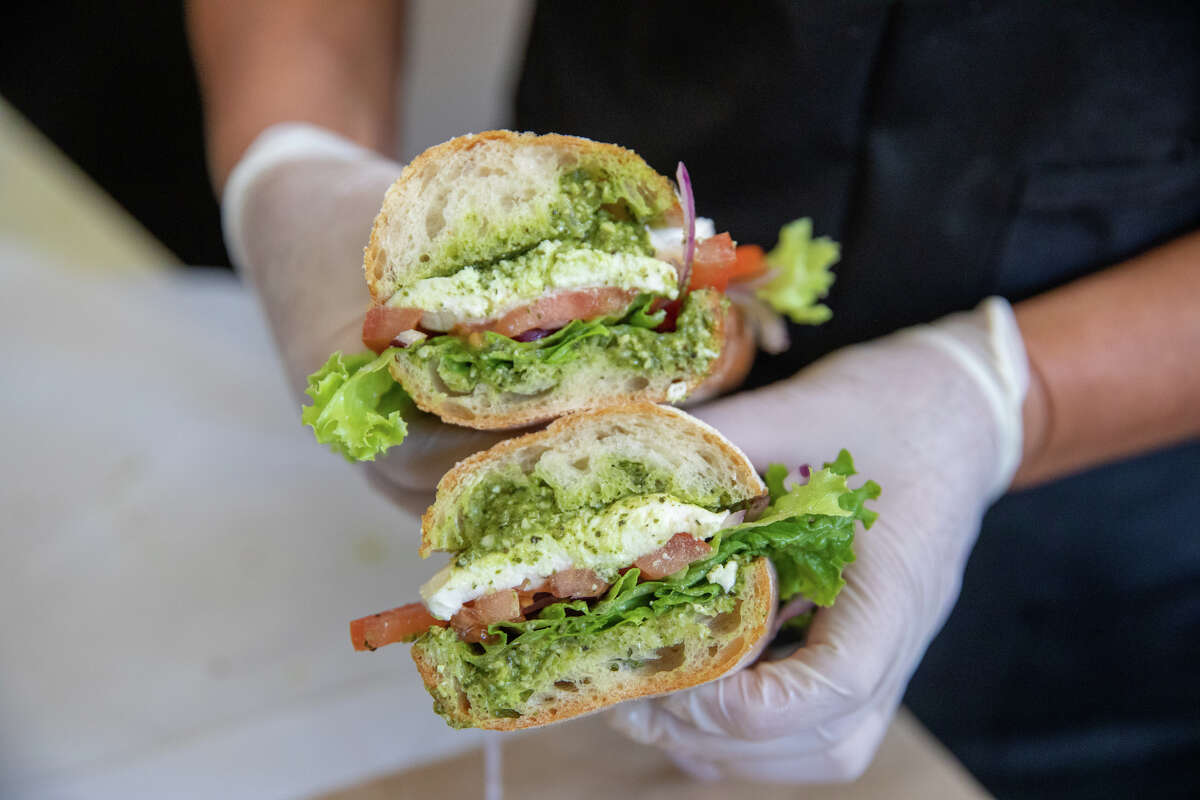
297,212
933,414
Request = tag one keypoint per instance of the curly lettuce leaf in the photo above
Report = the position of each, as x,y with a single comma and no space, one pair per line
774,477
640,315
802,273
529,367
357,406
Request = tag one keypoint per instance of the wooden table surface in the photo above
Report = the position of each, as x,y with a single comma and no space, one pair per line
586,760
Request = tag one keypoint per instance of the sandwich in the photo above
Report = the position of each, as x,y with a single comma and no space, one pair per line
616,554
516,277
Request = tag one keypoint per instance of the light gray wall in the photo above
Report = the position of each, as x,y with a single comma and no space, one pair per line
462,61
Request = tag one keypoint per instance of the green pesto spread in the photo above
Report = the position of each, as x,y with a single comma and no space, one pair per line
503,365
591,209
593,213
512,506
500,681
475,293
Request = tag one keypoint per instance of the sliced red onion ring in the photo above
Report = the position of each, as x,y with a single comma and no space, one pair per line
689,225
805,471
735,518
532,335
757,506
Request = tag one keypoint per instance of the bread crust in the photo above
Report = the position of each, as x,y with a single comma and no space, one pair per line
743,477
484,409
375,256
758,603
733,365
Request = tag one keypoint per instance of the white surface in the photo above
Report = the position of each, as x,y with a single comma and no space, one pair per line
180,559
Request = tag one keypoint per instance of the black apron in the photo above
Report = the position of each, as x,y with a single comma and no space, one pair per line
957,150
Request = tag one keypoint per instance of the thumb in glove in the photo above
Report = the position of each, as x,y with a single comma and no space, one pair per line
297,211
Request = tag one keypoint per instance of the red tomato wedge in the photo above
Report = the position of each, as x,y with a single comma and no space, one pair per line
497,606
382,323
555,310
713,263
396,625
577,583
681,550
750,262
472,620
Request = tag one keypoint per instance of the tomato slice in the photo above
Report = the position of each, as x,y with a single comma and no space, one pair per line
713,263
681,550
386,627
554,311
576,583
750,261
472,620
382,323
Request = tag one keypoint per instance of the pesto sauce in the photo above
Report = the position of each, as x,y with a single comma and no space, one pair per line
503,365
512,507
500,681
582,218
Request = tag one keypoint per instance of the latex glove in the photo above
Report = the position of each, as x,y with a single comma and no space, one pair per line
933,414
297,212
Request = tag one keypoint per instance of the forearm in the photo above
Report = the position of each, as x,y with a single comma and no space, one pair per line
260,62
1114,363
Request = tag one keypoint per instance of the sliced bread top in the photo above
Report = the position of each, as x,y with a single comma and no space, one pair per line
483,196
702,466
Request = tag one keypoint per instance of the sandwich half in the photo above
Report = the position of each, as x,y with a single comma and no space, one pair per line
515,277
617,554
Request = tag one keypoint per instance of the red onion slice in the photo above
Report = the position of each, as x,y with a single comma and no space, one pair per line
533,334
734,518
689,225
757,506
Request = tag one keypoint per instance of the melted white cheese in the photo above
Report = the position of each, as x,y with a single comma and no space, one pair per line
628,529
724,575
474,295
668,242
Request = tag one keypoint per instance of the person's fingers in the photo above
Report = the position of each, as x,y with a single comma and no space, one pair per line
647,723
851,650
305,258
414,501
701,769
842,761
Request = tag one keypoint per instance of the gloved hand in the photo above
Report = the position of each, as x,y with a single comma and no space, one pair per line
297,212
933,414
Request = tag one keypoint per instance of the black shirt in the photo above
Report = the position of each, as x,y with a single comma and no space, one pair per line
956,150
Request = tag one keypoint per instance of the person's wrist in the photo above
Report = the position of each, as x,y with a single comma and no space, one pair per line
1037,417
276,146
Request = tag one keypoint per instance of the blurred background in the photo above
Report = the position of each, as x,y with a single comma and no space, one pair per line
113,87
180,568
181,558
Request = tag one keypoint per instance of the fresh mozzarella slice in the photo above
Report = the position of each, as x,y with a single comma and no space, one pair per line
473,295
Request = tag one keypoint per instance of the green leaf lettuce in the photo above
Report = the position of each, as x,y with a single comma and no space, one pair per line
808,547
357,407
802,273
